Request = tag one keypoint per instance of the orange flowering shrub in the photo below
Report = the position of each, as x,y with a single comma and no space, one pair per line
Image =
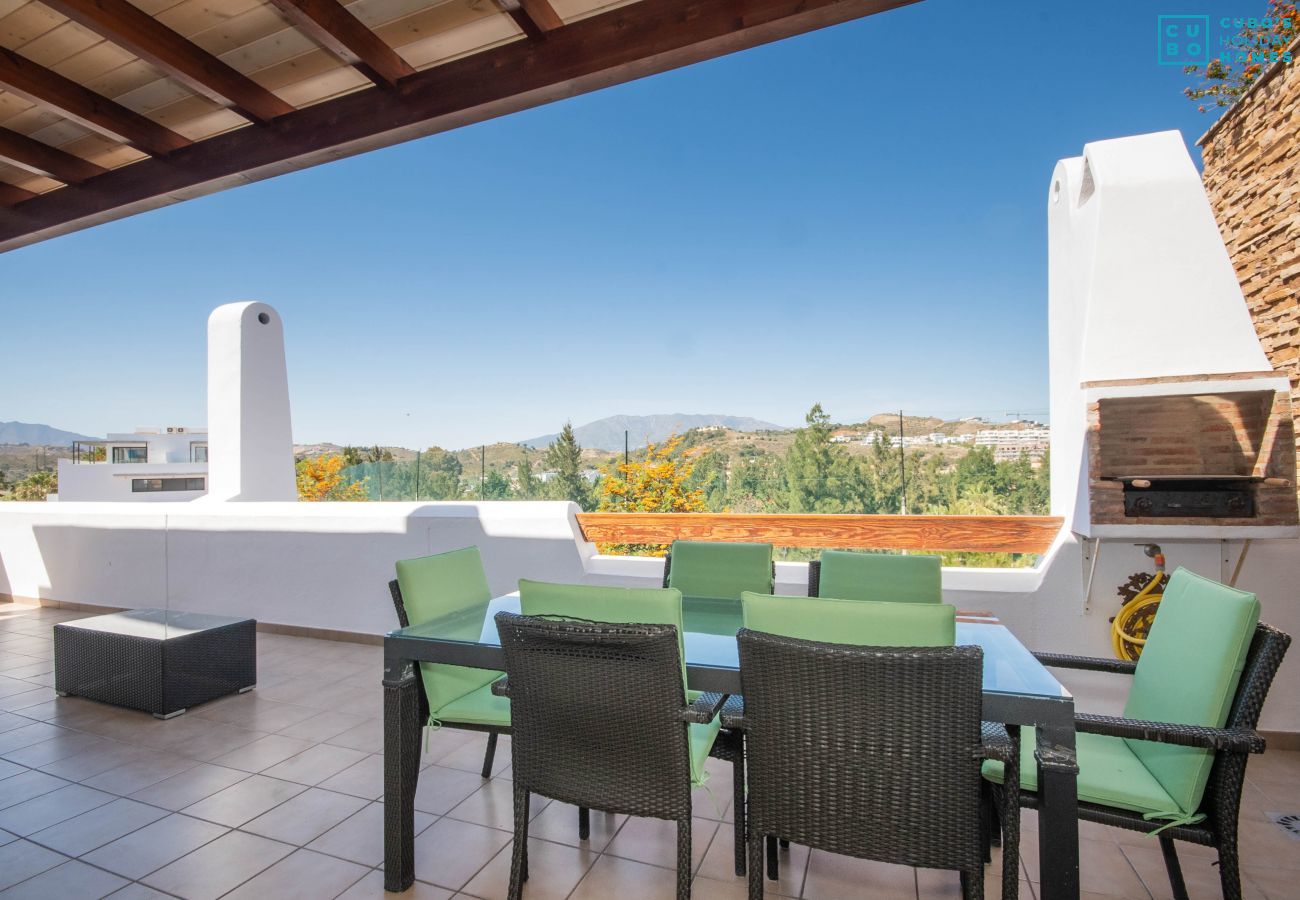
321,478
656,483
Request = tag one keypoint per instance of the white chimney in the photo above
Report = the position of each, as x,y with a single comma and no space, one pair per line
250,437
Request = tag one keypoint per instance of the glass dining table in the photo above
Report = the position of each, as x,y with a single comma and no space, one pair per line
1018,690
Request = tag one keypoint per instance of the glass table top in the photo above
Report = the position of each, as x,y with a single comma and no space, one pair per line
710,642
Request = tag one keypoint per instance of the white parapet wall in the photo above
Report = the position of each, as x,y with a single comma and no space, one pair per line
326,566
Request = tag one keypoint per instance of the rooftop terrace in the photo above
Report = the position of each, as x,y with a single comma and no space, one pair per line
276,793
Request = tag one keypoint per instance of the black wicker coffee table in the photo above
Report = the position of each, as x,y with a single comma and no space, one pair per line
156,660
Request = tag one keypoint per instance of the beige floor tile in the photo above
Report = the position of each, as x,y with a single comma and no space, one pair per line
20,860
367,736
85,832
303,818
26,735
244,801
142,851
27,784
440,789
138,891
71,879
1200,873
62,745
626,879
96,760
140,773
719,864
322,726
831,875
469,757
493,805
1275,884
437,743
215,740
49,809
1103,868
219,866
190,786
449,853
554,870
257,713
372,888
361,779
303,875
315,764
654,841
708,889
1263,844
263,753
360,837
559,823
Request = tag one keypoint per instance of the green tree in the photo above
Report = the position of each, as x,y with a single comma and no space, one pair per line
526,486
351,456
36,486
564,458
495,486
440,475
815,467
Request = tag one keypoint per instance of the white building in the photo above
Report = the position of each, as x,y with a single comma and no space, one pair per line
148,464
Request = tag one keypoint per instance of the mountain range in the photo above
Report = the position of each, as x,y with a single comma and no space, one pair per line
38,435
607,433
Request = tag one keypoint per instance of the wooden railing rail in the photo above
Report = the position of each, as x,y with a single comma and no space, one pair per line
989,534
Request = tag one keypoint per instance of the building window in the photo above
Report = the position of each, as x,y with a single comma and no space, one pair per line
150,485
130,454
198,453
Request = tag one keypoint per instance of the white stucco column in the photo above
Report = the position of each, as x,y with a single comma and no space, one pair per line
250,437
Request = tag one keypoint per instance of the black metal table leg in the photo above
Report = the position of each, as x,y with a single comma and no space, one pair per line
402,728
1058,813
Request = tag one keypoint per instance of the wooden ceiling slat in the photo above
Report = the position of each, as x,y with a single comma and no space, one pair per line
126,26
43,159
11,194
608,48
330,24
47,88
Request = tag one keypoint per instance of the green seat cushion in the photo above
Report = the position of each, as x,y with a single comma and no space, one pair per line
870,623
880,576
642,606
1109,774
437,586
479,707
1188,674
718,570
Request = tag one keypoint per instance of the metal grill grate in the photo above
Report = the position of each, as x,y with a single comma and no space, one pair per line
1288,822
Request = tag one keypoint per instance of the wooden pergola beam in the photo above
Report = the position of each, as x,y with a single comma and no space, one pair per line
329,24
11,194
132,29
626,43
534,17
42,159
44,87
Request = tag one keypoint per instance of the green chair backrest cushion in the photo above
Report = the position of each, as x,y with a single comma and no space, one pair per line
880,576
868,623
720,570
435,586
598,603
1188,674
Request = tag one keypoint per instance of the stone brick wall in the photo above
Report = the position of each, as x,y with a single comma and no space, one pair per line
1252,176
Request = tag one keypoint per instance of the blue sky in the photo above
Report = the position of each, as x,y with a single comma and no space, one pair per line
854,217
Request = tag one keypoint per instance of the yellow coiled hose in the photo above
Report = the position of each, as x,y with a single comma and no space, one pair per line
1129,629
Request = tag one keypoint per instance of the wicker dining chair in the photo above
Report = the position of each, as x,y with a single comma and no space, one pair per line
872,752
850,575
601,721
724,570
1207,659
457,697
